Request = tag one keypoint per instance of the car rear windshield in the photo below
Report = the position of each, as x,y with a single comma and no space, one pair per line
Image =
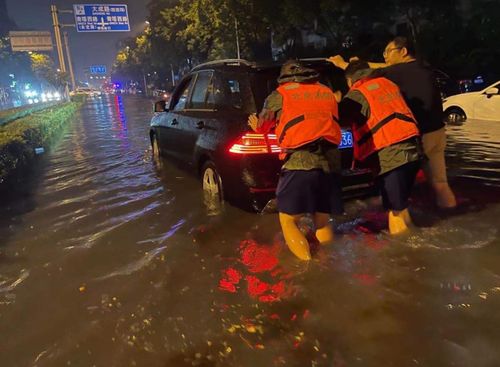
266,81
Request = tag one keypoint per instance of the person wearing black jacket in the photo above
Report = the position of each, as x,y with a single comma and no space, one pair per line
420,91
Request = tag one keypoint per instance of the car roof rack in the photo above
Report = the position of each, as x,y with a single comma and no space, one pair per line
235,62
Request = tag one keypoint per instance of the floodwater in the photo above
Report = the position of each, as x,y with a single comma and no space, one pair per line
106,261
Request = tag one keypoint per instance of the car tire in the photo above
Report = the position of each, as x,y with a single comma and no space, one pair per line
455,116
155,151
213,191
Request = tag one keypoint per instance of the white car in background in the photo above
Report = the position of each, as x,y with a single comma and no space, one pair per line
482,105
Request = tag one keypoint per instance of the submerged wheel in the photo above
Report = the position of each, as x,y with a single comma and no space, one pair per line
213,193
455,115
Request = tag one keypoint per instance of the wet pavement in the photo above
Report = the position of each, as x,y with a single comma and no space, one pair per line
107,261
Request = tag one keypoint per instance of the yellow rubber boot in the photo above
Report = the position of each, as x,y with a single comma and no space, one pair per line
397,223
325,235
324,232
407,217
294,238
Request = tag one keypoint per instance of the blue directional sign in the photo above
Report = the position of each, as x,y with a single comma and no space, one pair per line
98,69
101,18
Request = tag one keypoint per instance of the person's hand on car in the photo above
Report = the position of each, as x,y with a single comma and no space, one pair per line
338,61
253,121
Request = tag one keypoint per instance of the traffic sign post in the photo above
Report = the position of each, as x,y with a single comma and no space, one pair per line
101,18
88,18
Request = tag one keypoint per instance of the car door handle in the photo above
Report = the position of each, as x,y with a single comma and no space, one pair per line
200,124
174,122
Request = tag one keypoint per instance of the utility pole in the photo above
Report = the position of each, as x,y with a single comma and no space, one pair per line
70,64
57,34
237,38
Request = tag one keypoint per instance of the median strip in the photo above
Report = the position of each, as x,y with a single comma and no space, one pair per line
21,139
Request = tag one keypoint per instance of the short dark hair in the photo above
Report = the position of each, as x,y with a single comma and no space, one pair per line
354,67
405,42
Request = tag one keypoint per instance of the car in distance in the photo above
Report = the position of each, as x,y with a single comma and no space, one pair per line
87,91
481,105
203,128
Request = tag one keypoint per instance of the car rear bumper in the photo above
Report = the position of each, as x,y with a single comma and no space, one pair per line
258,175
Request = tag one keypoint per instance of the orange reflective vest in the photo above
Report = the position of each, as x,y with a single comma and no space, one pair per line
309,112
391,120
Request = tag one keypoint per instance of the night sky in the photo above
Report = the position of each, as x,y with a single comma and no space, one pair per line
86,48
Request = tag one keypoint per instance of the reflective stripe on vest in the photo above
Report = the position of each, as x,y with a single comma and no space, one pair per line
309,112
294,122
391,120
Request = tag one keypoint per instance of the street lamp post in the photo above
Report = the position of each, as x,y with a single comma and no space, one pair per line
70,64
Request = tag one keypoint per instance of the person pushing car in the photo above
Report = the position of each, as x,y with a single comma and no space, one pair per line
421,93
304,114
386,138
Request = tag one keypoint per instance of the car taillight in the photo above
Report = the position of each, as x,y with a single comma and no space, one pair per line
251,143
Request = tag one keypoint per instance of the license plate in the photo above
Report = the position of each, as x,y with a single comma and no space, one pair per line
346,141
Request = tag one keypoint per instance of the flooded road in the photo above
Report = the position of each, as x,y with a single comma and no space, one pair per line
106,261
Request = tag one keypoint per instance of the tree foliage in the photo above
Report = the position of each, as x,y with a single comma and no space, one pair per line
16,63
44,69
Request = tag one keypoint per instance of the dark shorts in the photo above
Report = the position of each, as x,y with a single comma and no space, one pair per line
313,191
396,185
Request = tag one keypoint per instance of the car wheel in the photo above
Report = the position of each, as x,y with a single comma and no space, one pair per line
155,151
213,194
455,116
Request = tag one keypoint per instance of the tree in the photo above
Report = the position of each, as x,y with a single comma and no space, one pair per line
44,69
12,63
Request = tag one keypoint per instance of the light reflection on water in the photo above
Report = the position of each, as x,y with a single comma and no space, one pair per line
107,261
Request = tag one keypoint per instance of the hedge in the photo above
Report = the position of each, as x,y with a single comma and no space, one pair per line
16,113
19,138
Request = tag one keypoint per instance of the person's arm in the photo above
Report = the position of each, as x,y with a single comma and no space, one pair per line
339,62
377,65
354,109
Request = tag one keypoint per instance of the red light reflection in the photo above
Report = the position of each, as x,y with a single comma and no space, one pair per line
265,280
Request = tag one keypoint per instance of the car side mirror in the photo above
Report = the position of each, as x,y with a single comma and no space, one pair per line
491,92
160,106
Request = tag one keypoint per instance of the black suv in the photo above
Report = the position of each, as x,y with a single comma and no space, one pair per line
204,129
